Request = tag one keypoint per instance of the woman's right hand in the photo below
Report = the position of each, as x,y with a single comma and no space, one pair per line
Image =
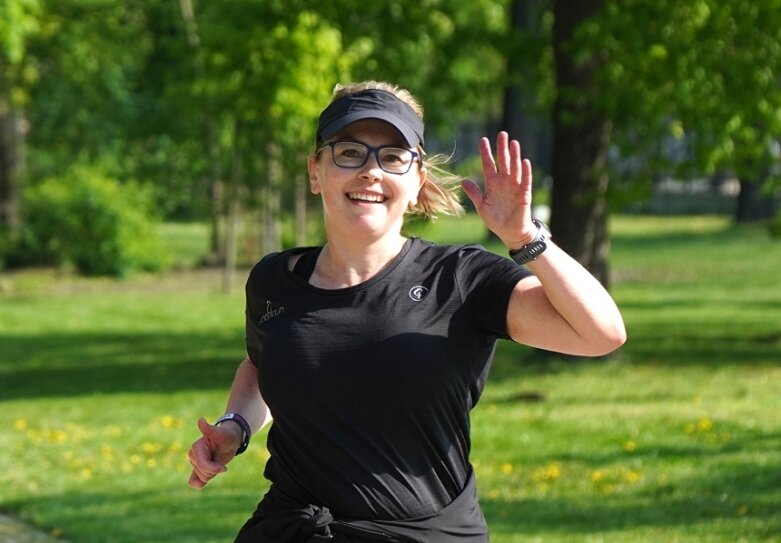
210,454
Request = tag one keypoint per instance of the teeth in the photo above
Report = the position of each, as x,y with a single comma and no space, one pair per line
374,198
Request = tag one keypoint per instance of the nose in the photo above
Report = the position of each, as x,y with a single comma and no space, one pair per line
371,169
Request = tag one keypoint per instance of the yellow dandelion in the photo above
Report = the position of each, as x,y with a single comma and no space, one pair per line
597,475
168,421
704,424
507,468
549,473
107,452
630,446
175,447
151,448
151,463
20,425
85,473
607,489
135,459
56,532
631,476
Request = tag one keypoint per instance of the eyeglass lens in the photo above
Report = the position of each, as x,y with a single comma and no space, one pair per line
354,155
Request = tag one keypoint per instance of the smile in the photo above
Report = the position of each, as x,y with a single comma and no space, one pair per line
366,197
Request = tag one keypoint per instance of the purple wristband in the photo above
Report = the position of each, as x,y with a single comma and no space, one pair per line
246,431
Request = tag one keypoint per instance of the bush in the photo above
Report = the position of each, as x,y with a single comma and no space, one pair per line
775,225
92,222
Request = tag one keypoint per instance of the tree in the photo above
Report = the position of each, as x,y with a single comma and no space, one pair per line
18,21
633,75
703,73
581,134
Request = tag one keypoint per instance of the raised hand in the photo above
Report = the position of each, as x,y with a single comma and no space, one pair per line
210,454
505,205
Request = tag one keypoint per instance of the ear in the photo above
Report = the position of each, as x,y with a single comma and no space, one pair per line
312,167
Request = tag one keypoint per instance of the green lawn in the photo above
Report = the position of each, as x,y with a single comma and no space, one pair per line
677,438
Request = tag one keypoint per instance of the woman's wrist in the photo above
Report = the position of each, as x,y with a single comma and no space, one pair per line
240,429
529,251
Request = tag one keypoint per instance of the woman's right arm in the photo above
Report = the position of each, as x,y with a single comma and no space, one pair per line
217,446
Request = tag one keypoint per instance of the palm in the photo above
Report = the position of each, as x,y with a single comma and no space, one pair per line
505,204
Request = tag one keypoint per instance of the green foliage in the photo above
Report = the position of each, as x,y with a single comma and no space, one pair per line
90,221
18,22
692,87
775,226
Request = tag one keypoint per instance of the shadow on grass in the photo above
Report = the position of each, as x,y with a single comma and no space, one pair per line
738,503
742,502
75,364
179,515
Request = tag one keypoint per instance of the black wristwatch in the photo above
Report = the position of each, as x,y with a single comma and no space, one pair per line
535,248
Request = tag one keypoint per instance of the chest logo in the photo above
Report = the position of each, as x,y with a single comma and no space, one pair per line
417,293
271,312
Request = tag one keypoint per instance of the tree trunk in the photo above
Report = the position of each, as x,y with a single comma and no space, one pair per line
218,250
301,191
231,240
519,112
11,166
753,204
271,234
581,136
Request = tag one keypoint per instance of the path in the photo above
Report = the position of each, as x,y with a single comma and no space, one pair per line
13,530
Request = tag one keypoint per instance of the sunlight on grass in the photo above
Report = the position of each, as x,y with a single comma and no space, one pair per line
675,438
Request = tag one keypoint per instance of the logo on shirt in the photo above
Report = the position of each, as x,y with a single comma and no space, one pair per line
417,293
271,312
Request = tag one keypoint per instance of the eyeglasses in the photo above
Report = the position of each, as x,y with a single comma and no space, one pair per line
351,154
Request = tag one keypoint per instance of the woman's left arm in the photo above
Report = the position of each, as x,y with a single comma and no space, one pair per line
562,307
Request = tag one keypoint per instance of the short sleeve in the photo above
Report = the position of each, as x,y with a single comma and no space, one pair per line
486,281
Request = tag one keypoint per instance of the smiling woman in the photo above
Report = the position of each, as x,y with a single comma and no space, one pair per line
370,352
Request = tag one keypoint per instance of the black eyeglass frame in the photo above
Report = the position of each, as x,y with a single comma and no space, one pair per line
370,151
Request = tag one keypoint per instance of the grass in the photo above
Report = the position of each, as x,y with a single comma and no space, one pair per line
675,439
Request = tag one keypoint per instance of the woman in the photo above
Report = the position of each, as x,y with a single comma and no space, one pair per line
371,350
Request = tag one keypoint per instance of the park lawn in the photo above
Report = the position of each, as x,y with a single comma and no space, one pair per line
675,438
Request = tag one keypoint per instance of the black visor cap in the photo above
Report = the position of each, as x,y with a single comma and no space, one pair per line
371,104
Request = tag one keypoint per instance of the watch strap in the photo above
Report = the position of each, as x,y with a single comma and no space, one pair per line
535,247
245,429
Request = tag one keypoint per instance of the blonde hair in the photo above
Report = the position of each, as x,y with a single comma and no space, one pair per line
439,194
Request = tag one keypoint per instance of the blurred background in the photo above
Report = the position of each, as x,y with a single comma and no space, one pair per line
152,150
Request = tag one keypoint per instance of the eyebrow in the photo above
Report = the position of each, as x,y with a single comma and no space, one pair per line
345,135
396,145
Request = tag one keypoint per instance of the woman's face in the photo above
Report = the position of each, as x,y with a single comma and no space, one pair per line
366,200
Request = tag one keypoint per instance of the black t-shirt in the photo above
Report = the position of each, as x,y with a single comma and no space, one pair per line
371,386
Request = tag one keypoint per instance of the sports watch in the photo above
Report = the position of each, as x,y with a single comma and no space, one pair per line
533,249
